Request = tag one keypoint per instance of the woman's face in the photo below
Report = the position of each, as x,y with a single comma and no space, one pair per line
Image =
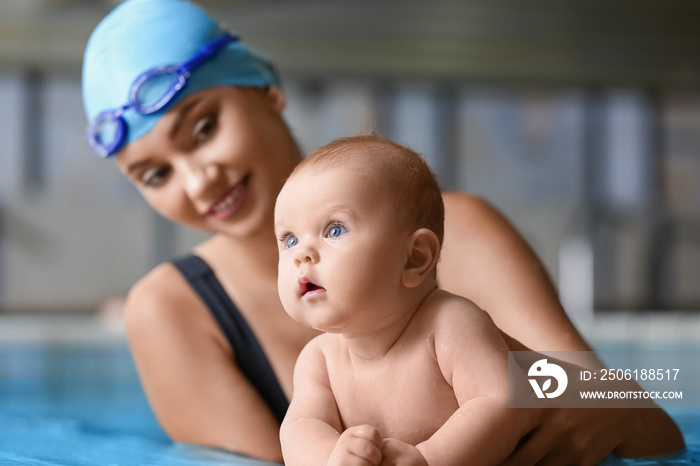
216,161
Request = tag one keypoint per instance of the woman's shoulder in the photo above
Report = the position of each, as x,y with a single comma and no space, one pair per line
162,296
473,221
460,199
160,285
462,207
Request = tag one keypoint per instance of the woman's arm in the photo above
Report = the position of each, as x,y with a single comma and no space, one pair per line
188,373
486,260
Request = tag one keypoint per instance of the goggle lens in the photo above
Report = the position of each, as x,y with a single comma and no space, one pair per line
155,88
105,133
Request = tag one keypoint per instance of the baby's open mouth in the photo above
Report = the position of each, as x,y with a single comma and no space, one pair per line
310,287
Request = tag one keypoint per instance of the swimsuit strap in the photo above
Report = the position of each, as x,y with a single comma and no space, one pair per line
248,353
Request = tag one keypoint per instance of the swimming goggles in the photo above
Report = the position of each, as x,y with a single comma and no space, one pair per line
105,133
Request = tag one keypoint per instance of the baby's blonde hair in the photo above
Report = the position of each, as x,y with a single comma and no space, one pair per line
416,191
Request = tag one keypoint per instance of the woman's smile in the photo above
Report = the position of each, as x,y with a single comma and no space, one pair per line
230,201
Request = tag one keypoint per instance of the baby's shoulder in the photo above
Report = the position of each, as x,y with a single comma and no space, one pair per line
321,346
448,311
460,333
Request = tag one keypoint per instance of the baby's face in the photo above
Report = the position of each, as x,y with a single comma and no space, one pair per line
341,250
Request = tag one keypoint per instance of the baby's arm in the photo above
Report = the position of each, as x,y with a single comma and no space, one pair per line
473,358
310,432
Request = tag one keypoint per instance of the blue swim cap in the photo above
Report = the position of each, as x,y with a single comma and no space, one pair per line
141,34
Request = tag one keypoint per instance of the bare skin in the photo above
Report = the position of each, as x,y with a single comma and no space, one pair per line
481,252
194,387
453,423
350,265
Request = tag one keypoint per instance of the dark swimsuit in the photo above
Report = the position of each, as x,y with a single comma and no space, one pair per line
249,356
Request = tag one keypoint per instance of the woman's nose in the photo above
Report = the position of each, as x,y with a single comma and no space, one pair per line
199,178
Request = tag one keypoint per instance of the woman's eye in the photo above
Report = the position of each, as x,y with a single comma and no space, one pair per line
155,176
204,127
335,230
291,241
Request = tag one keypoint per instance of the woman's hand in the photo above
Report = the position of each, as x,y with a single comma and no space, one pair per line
585,436
578,436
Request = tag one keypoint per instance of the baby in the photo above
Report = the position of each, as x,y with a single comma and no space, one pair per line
405,373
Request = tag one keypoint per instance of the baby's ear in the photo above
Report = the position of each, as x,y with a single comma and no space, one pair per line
423,252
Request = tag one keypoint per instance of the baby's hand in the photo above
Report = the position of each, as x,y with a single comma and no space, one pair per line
397,453
358,445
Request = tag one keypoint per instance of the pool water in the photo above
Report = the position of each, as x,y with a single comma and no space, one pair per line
689,423
83,406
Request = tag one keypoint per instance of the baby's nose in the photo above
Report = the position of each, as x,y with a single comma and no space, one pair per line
305,254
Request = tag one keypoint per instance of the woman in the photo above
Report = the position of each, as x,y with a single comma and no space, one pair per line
213,155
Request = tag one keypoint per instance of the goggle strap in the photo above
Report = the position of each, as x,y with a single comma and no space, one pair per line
208,51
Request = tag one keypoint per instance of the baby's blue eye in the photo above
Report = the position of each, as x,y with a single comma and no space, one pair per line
336,230
291,241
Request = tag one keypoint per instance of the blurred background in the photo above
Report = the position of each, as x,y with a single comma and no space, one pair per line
579,120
